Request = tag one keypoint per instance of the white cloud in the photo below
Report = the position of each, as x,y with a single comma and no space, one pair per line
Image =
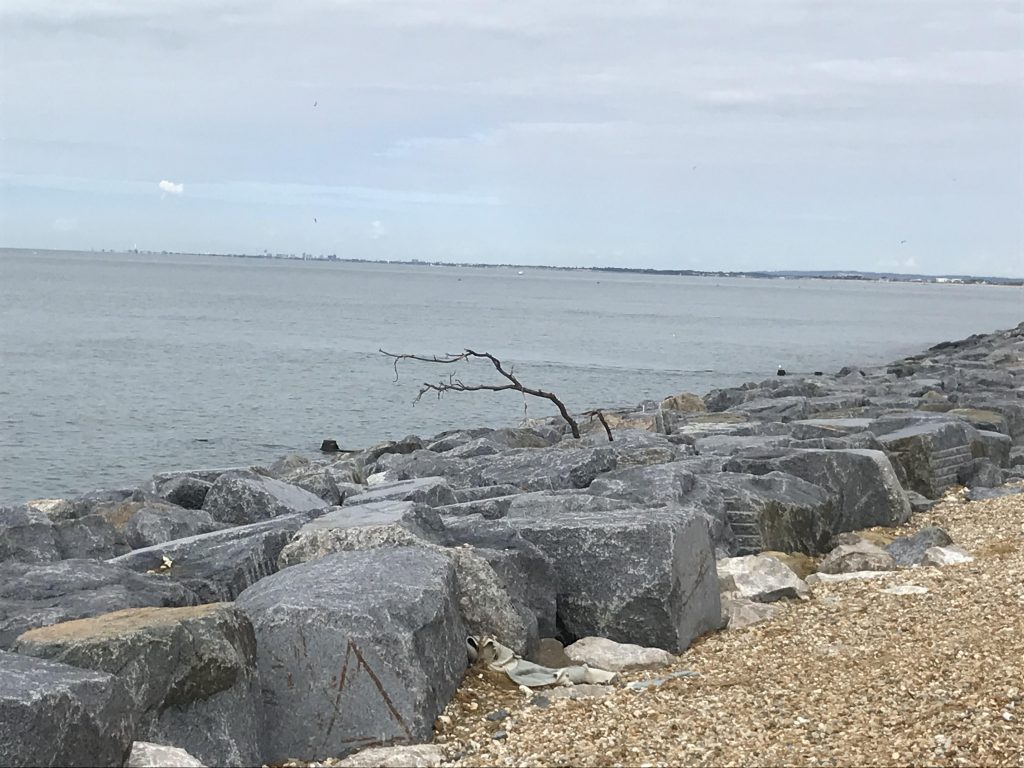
377,231
171,188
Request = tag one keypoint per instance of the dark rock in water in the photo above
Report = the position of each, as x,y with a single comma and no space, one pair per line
54,714
155,524
355,649
329,446
633,575
243,497
929,454
982,494
90,537
27,536
776,512
219,565
866,489
39,595
980,473
189,673
909,550
781,371
433,491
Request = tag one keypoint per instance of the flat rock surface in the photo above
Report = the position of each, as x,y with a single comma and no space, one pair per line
881,679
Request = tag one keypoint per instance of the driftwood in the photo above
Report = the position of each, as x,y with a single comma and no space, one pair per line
512,383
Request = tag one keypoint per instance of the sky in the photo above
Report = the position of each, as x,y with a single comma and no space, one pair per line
736,134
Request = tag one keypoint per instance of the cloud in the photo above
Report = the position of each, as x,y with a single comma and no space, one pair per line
377,231
171,188
65,224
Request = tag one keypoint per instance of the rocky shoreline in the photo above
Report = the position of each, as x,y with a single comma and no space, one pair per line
314,608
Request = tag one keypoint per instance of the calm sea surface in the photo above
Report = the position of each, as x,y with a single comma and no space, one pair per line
115,366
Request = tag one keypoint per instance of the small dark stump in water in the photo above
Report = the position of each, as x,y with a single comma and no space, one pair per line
819,373
781,371
329,446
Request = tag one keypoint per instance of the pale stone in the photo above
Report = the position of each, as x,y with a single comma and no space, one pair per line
412,756
739,612
906,589
602,653
760,578
148,755
951,555
834,578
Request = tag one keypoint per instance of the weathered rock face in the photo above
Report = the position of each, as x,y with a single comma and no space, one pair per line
684,402
155,524
364,526
657,485
775,511
760,578
189,673
243,497
865,487
91,537
741,612
38,595
929,454
355,649
217,566
145,754
909,550
27,536
433,491
409,756
53,714
543,470
981,473
635,576
602,653
941,556
854,558
185,491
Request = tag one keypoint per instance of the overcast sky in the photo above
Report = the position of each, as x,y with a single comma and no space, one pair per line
719,134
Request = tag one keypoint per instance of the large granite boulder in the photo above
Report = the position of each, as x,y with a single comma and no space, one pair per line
776,511
548,469
182,490
355,649
217,566
656,485
643,576
55,715
27,536
866,490
929,454
433,491
855,558
155,524
243,497
37,595
189,673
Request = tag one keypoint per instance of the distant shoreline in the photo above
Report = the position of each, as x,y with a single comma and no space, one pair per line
849,275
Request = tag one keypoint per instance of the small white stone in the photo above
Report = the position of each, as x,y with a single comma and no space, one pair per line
906,589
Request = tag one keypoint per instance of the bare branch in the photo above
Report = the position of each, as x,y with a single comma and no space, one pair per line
456,385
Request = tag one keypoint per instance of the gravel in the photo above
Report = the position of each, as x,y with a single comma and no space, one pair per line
857,675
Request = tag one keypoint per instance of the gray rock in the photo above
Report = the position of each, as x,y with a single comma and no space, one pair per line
243,497
463,495
776,511
854,558
774,408
189,673
355,649
148,755
865,487
155,524
632,575
741,612
27,536
321,482
929,454
53,714
218,566
657,485
992,446
546,469
37,595
919,503
981,473
941,556
981,494
406,445
909,550
433,491
491,508
727,445
760,578
184,490
91,537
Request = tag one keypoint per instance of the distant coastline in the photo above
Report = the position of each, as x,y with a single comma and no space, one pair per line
856,275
